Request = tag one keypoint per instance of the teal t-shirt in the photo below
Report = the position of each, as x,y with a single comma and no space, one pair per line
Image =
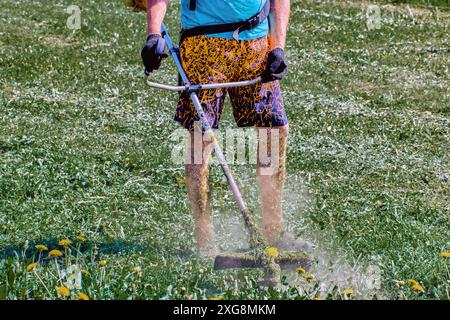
209,12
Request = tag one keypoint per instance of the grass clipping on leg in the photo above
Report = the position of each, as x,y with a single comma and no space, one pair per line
137,5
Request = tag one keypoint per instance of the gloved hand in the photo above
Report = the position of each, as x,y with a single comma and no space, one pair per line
153,53
276,67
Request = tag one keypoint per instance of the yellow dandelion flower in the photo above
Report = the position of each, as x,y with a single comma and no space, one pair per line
445,254
103,263
348,292
415,285
215,298
55,253
65,242
300,270
81,239
308,277
85,272
181,180
41,247
418,287
83,296
63,291
137,270
272,252
317,298
31,266
412,282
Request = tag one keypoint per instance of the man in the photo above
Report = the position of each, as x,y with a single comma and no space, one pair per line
210,56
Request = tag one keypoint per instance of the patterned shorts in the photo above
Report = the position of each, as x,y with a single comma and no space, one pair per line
213,60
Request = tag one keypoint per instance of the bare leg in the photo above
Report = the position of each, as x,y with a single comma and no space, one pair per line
197,183
271,175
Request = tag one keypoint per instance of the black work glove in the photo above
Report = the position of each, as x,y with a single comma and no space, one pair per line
153,53
276,67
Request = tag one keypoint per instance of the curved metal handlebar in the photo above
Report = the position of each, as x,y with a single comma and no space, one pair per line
203,86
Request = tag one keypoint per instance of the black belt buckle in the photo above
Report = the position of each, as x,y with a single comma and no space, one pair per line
251,23
248,25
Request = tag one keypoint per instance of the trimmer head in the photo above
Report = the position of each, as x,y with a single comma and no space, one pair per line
284,261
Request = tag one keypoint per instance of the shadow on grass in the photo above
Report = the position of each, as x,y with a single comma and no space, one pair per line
113,247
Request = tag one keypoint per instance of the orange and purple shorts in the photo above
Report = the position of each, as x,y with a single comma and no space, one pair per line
218,60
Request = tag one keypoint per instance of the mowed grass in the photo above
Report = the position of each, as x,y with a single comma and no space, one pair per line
85,149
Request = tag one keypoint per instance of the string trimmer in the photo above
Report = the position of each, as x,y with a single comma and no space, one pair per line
260,255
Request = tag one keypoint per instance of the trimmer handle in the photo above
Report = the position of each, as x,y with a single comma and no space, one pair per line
197,87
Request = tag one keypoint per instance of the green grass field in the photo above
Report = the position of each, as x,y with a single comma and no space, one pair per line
85,151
